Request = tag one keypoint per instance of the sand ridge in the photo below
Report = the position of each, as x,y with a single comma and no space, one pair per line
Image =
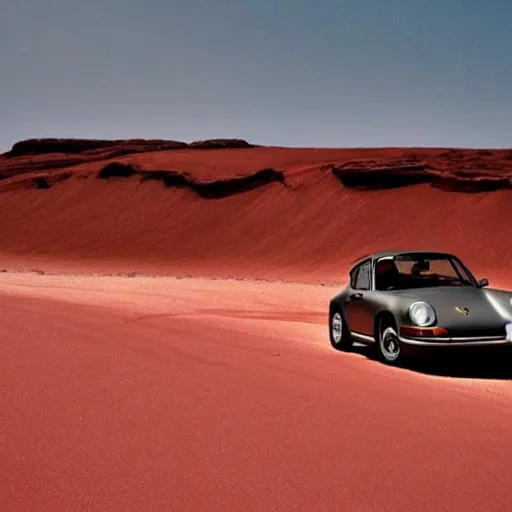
259,212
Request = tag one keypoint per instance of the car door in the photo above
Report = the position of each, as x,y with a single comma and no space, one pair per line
357,309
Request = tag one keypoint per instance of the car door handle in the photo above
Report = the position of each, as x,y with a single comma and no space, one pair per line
356,296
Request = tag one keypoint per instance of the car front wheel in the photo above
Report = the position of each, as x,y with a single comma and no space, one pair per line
388,346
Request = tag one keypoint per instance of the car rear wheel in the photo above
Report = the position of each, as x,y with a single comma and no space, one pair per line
388,346
339,333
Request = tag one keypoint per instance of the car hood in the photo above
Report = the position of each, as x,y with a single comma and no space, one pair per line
485,314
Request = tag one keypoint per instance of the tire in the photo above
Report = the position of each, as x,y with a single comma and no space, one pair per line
389,348
339,333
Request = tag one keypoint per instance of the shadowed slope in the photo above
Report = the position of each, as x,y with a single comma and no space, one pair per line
206,189
466,176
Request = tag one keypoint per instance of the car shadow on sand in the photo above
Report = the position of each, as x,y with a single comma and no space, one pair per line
467,363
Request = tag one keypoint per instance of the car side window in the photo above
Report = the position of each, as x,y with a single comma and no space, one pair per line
353,277
362,279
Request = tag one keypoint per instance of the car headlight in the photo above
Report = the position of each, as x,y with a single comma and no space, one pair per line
422,314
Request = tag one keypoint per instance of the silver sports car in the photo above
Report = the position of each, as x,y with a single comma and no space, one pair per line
396,299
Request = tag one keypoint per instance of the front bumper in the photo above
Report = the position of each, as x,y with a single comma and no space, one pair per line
475,341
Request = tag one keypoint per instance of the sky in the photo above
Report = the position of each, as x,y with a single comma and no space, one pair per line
324,73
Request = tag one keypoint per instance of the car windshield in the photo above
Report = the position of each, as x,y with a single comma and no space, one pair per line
421,270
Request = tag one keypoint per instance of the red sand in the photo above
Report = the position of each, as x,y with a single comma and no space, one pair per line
155,394
144,393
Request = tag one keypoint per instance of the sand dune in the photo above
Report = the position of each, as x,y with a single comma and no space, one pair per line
260,212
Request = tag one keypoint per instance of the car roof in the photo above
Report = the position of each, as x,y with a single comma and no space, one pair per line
390,252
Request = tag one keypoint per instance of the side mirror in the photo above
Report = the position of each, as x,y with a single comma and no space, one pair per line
483,283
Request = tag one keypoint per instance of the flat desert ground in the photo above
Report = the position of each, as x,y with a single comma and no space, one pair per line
164,342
